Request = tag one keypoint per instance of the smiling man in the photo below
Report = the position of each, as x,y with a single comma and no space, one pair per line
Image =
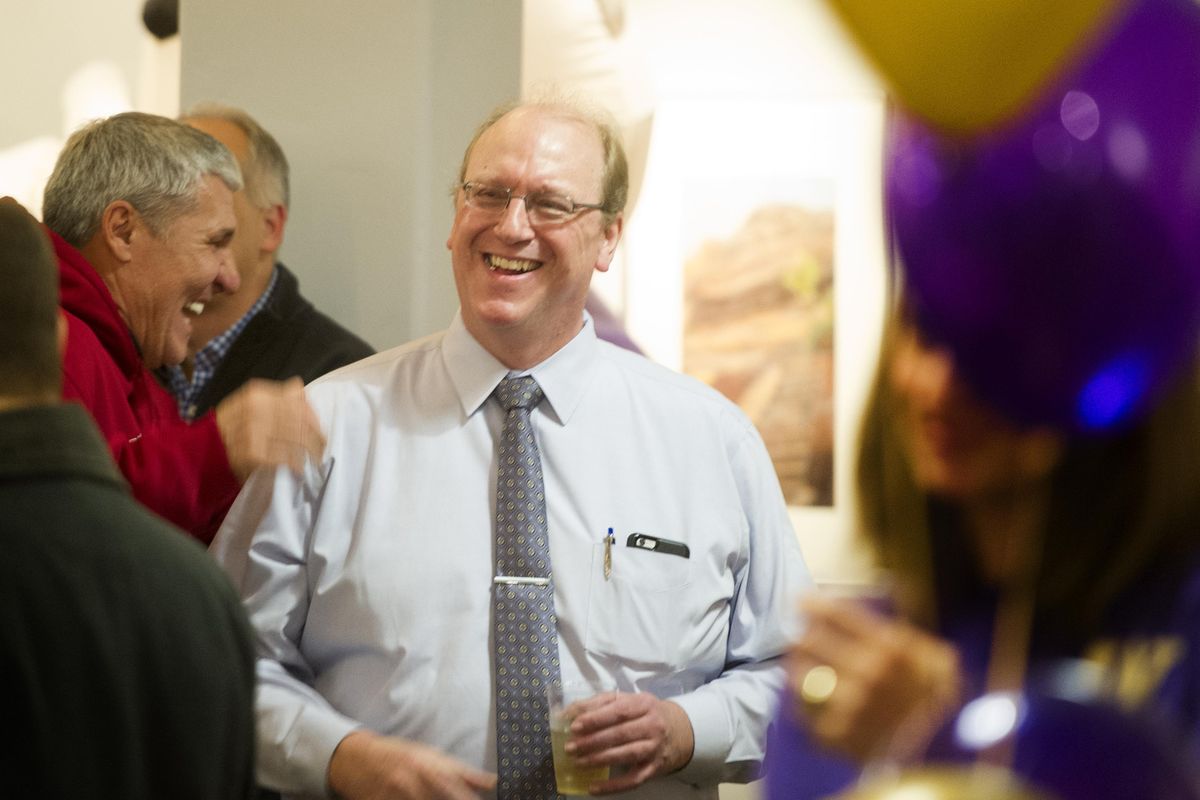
523,290
140,209
512,504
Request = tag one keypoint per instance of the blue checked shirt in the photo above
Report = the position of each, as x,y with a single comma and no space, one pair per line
209,357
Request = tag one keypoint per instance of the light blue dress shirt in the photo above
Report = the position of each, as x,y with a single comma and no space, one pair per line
369,579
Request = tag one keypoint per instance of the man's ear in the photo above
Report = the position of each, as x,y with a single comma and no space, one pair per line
608,247
118,223
274,221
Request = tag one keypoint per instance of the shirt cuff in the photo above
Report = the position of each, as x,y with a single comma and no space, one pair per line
711,736
301,763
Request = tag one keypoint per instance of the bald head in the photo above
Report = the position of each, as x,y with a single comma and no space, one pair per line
264,166
261,210
614,181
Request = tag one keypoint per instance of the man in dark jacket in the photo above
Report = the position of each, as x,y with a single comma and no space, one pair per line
126,663
266,328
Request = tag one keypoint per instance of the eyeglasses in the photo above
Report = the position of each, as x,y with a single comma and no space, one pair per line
542,207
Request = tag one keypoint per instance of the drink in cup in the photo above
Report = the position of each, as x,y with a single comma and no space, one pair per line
572,779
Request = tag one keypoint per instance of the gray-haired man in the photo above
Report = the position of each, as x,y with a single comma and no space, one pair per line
141,208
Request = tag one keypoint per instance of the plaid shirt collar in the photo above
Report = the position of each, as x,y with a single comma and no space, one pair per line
209,357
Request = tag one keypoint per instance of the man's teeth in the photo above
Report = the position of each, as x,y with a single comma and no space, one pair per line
196,308
512,264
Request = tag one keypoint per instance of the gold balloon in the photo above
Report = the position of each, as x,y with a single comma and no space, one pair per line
968,66
976,782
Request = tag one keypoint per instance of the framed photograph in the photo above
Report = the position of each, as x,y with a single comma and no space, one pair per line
754,261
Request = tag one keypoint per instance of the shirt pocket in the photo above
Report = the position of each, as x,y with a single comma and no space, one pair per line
638,614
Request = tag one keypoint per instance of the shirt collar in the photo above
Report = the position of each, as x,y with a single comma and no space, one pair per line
564,377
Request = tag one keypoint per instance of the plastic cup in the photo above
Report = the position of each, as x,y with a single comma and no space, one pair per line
572,779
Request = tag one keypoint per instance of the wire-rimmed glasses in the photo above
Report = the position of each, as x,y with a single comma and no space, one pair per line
542,207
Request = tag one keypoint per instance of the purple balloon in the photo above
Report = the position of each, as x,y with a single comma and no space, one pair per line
1059,257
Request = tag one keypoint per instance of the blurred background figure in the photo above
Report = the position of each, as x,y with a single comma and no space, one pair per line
265,328
126,659
1029,465
1010,550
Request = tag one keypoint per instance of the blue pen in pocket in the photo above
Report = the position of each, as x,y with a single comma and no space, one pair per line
608,545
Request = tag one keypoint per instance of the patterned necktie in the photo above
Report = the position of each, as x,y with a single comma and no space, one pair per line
526,638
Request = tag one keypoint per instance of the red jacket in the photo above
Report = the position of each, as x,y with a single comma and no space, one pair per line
176,469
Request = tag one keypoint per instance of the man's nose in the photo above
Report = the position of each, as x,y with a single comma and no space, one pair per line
514,224
228,280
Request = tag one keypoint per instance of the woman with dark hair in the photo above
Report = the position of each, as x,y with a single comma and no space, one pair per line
1015,557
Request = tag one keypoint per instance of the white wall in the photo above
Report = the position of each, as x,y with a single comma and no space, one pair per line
61,64
42,44
373,104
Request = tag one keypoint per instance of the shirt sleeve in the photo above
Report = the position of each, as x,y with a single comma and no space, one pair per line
263,546
730,715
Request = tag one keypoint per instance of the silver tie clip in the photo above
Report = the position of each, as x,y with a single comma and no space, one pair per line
512,580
